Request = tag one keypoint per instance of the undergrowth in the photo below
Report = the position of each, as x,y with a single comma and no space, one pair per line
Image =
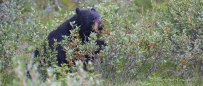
144,46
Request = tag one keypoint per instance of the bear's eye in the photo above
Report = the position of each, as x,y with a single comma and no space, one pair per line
94,18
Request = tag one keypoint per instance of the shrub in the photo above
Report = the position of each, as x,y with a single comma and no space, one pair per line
182,23
163,44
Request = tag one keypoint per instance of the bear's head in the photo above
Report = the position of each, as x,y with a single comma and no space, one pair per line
89,21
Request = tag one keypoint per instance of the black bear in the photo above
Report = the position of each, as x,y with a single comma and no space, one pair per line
88,20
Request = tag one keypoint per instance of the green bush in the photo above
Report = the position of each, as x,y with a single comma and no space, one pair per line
182,24
164,44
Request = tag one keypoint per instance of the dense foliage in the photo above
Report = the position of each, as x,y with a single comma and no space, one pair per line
146,43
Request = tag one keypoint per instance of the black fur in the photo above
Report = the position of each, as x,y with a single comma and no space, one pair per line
85,19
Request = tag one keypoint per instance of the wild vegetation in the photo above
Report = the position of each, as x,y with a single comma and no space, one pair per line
149,42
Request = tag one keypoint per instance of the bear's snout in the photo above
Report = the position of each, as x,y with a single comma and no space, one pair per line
98,25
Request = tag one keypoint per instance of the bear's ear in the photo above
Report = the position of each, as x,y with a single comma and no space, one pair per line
93,9
77,10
